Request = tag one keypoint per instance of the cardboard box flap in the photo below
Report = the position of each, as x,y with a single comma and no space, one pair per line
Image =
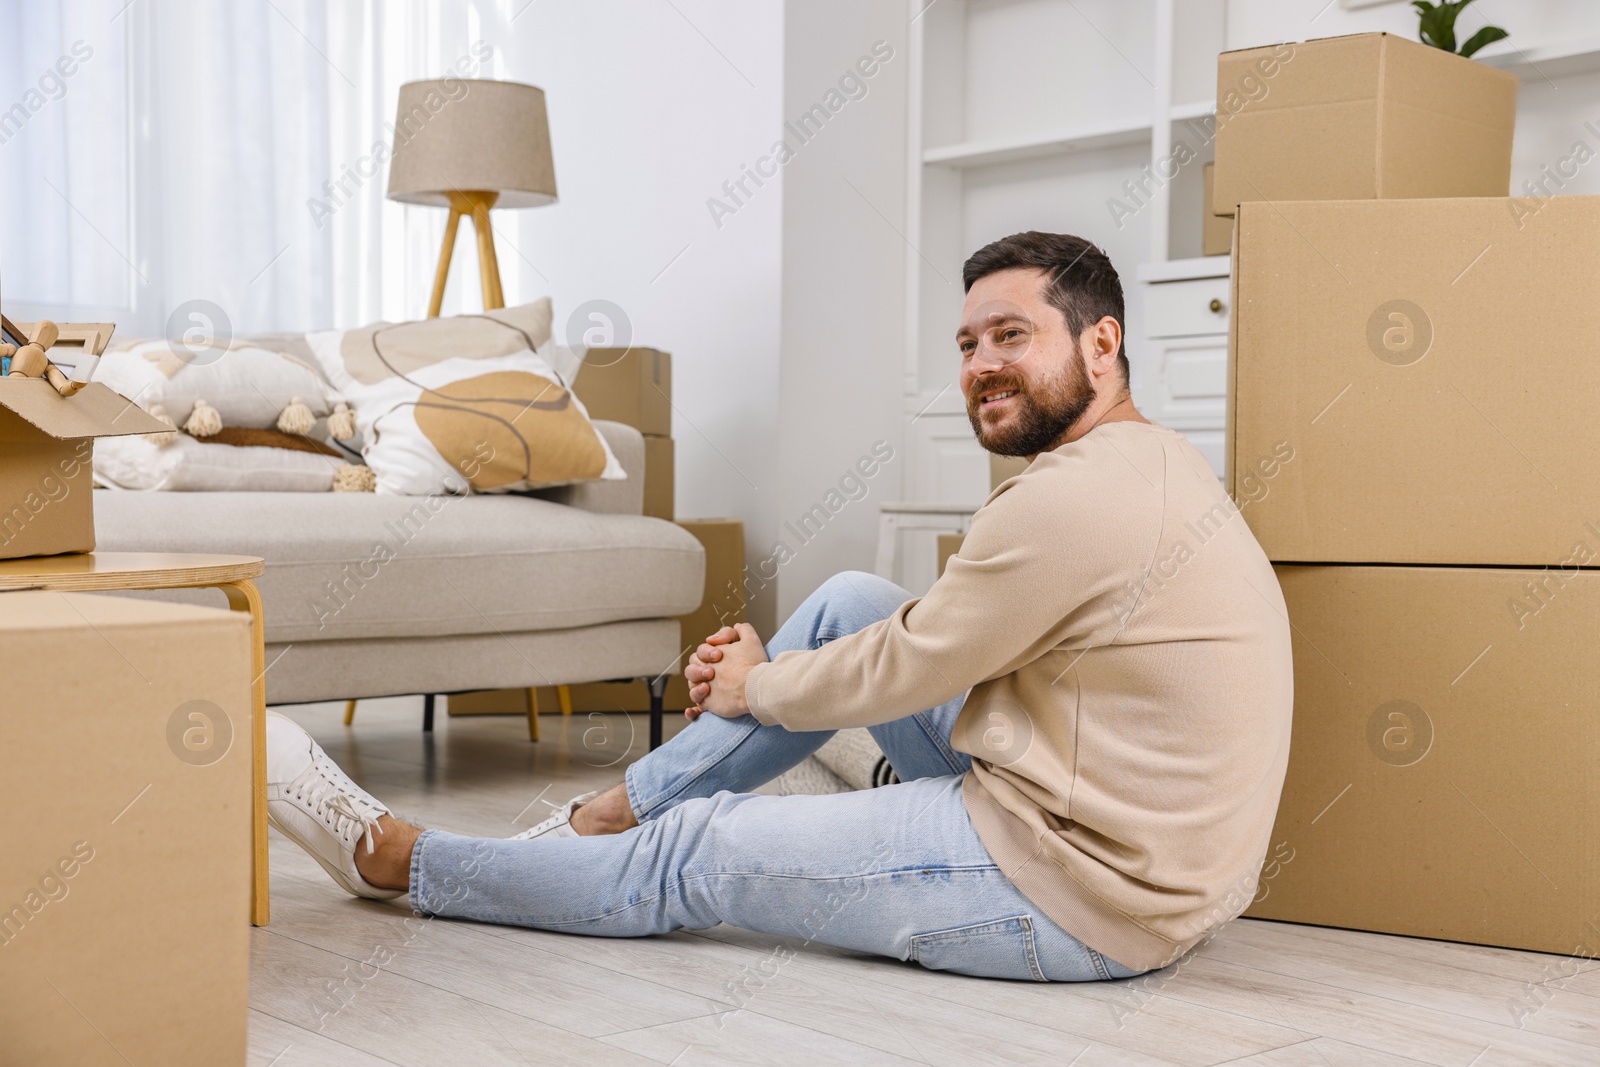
95,411
1365,66
1333,70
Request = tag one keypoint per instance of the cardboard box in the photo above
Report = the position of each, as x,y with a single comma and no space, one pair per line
660,479
125,891
46,443
1216,231
1003,467
948,545
1413,381
722,604
628,385
1372,116
492,702
1441,774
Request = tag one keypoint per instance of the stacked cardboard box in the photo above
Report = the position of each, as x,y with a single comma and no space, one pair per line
1365,117
1411,436
634,386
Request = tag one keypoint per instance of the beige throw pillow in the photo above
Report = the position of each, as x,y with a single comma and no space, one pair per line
467,403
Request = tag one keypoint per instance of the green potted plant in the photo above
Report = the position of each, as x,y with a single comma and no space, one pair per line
1437,27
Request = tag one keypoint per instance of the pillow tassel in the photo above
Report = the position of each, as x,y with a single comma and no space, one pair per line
342,423
354,478
296,418
162,440
203,420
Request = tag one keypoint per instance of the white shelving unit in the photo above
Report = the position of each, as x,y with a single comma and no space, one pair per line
1557,59
1046,114
1037,114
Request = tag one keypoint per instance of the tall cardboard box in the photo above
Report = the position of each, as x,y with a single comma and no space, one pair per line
1428,368
46,443
628,385
1216,231
946,546
1371,116
1443,769
125,890
1003,467
660,477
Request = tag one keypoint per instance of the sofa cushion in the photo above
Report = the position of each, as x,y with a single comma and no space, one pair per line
358,565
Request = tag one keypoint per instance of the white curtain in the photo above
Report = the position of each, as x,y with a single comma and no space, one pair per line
207,162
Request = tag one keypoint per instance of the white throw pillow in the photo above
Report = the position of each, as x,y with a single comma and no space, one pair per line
470,403
248,386
188,465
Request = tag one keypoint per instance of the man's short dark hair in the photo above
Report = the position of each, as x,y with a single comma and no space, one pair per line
1083,285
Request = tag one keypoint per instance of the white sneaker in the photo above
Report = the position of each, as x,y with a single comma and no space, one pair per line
316,805
559,824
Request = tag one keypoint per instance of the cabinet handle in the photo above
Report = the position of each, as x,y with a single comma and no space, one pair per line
1215,305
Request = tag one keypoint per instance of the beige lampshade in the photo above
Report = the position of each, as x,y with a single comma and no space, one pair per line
468,135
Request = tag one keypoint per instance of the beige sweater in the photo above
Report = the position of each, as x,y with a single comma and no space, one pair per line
1126,649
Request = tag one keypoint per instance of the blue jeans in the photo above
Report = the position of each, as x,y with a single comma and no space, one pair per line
897,871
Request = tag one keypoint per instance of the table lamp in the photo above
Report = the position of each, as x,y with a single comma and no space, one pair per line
471,145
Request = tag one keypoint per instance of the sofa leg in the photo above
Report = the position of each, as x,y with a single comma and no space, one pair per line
349,712
533,713
658,693
427,714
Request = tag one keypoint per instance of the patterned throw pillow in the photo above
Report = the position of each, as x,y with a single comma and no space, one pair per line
203,389
471,403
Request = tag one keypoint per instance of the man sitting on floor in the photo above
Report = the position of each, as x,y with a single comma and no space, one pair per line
1089,711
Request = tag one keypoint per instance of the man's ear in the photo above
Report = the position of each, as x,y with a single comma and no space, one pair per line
1105,341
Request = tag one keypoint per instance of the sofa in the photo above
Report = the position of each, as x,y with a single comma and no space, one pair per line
369,595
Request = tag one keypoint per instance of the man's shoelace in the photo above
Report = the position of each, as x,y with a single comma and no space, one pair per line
326,796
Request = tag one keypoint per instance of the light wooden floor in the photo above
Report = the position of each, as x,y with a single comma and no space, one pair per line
430,992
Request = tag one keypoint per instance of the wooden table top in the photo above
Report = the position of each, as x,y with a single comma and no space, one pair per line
102,571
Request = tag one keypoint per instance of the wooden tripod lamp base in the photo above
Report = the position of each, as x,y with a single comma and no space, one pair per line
476,206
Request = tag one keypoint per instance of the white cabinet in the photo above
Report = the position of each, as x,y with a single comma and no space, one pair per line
1187,308
1180,369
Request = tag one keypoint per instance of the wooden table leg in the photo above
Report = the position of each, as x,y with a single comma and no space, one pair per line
243,596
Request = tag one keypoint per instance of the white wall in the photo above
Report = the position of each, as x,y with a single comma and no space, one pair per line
652,107
844,275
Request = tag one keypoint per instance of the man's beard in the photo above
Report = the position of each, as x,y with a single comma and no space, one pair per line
1044,414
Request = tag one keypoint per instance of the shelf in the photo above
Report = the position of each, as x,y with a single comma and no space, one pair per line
1577,56
1183,270
1198,110
1085,138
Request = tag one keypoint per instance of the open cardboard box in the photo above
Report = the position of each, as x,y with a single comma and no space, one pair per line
1370,116
46,444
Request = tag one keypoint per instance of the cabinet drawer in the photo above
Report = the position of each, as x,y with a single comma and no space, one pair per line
1199,373
1183,309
